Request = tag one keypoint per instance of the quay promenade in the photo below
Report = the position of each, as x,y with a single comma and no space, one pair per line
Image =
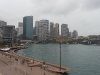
14,64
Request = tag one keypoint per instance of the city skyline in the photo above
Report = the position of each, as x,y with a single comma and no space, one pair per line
80,15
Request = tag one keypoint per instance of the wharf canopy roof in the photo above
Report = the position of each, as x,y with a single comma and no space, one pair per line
4,49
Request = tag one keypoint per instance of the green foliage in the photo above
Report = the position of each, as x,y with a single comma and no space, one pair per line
2,43
48,41
70,42
79,40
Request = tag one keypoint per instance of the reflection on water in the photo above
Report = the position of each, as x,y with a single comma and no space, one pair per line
81,59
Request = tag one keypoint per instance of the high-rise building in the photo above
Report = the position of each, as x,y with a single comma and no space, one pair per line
44,24
2,23
1,34
42,33
51,29
75,34
70,34
37,27
51,25
9,34
57,30
20,28
53,33
64,30
54,30
28,28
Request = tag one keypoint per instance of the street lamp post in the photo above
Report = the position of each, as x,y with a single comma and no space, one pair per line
60,55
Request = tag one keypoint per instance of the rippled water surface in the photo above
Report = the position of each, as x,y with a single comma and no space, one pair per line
81,59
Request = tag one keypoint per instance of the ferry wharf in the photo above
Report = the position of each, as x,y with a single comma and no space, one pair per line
30,65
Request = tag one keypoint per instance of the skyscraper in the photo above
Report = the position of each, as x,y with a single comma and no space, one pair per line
1,34
75,34
9,34
51,25
20,28
57,29
28,28
37,27
44,24
51,30
42,33
2,23
64,30
54,30
70,34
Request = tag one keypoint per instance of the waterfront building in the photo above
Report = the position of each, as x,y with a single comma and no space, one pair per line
35,36
1,34
2,23
56,30
70,34
37,27
53,33
44,34
36,31
20,28
51,25
16,30
75,34
28,28
9,34
64,31
51,30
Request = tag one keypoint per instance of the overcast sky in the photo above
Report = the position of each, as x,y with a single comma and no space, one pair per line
80,15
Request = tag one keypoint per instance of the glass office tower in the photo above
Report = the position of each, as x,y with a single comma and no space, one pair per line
28,28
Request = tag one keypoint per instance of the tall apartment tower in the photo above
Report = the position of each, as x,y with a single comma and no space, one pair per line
57,29
37,27
70,34
51,25
64,30
54,30
75,34
28,28
9,34
20,28
44,24
2,23
51,30
42,33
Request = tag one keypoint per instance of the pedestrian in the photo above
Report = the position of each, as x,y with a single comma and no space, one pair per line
31,68
44,62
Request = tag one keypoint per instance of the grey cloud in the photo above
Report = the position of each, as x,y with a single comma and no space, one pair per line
84,22
59,7
91,4
56,7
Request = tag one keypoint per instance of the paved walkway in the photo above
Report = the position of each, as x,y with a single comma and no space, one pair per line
6,70
8,66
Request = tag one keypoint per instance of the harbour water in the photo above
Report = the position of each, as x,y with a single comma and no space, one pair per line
81,59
